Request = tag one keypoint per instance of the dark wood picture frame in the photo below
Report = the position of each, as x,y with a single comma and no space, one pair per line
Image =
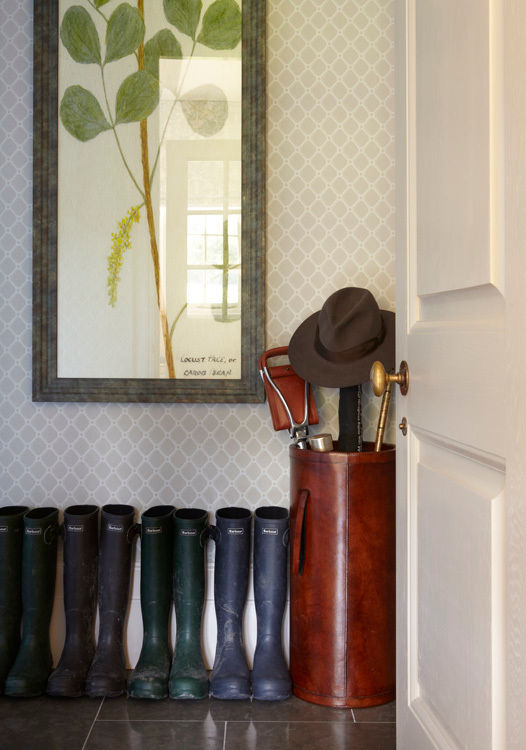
47,386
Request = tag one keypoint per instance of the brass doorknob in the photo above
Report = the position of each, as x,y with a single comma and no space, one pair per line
380,379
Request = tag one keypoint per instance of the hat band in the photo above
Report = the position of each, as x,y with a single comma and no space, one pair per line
353,352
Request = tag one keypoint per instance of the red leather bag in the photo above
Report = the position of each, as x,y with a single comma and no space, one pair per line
284,380
342,576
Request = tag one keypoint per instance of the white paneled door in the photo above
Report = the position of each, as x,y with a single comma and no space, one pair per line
451,329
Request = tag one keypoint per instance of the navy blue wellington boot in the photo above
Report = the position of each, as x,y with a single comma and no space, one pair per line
107,673
81,547
230,677
270,677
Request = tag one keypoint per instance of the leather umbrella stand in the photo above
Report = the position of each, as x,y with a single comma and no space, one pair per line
342,581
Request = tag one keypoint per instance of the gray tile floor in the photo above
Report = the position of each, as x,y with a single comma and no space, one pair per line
83,723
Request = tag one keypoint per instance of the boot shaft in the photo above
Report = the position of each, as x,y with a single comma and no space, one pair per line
156,569
11,538
39,565
230,677
81,549
115,552
190,535
271,539
231,571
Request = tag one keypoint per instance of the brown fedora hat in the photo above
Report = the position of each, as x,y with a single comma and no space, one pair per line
336,346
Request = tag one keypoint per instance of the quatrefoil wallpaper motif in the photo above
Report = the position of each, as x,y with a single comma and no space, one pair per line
330,130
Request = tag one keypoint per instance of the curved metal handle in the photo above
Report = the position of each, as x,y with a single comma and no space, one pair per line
380,379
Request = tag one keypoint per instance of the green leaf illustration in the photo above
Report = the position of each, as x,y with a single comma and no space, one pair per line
100,3
137,97
81,114
221,27
205,109
183,14
125,32
79,35
163,44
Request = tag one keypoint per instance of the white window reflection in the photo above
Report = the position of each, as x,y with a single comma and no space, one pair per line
213,239
201,214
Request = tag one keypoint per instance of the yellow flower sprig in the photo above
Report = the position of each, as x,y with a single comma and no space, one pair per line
120,242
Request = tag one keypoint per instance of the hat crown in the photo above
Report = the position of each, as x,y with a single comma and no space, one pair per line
348,318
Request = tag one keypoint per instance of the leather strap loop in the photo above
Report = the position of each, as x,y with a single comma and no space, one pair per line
51,533
214,533
204,536
134,530
298,540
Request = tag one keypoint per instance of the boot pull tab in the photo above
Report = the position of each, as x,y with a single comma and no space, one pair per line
214,533
134,530
204,535
51,533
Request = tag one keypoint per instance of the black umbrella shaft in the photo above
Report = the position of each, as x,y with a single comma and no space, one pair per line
350,419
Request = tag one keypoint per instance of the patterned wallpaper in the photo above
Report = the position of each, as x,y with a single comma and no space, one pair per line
330,224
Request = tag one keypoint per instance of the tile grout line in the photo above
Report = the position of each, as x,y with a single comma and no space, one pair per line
241,721
93,724
224,736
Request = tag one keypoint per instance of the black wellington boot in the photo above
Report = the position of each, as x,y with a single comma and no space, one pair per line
107,673
230,677
11,537
270,677
149,679
81,545
188,677
30,671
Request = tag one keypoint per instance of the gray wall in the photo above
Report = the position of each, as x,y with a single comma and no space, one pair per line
330,224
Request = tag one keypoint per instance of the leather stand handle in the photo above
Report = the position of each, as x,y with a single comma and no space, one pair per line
279,351
298,541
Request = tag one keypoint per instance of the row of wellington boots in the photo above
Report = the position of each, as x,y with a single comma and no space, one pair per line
28,550
230,677
95,569
171,541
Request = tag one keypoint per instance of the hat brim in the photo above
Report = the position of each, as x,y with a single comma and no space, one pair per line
314,368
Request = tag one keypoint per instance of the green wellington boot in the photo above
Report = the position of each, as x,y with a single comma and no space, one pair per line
11,536
188,676
149,679
28,675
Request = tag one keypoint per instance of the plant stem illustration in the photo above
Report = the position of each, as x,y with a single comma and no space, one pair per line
84,117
